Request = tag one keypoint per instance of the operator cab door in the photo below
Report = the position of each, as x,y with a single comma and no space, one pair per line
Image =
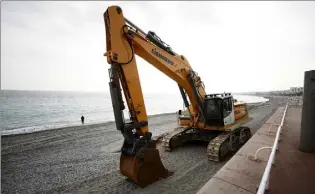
213,111
219,111
228,110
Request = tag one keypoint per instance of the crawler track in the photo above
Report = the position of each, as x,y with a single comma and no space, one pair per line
219,144
175,138
219,147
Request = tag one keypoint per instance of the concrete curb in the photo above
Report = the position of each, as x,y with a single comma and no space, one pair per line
242,174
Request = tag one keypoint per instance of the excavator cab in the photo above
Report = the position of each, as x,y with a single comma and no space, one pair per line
218,109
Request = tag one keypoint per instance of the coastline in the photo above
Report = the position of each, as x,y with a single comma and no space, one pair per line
36,129
12,132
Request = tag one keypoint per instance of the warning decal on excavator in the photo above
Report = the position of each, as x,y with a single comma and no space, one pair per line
156,53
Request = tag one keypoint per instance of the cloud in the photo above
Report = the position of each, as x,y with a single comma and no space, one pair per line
234,46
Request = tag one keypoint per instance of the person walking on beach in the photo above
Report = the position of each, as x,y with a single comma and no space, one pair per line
82,119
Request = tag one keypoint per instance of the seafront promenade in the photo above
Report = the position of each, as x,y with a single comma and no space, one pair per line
292,172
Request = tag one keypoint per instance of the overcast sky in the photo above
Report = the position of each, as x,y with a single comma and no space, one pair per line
234,46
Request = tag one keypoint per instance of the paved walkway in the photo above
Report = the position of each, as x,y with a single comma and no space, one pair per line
294,171
242,174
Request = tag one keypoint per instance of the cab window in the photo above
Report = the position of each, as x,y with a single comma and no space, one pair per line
213,109
227,107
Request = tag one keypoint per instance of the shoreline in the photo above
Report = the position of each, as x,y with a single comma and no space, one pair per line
96,124
20,131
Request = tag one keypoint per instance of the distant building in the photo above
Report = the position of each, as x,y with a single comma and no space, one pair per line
292,91
296,90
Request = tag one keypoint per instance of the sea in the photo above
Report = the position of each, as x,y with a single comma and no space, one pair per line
30,111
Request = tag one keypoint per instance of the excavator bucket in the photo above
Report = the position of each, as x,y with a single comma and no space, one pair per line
144,168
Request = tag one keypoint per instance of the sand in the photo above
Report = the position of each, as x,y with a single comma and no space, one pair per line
85,159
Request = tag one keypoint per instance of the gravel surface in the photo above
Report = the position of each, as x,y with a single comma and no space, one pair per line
85,159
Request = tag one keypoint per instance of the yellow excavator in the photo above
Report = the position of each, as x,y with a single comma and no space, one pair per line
214,118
